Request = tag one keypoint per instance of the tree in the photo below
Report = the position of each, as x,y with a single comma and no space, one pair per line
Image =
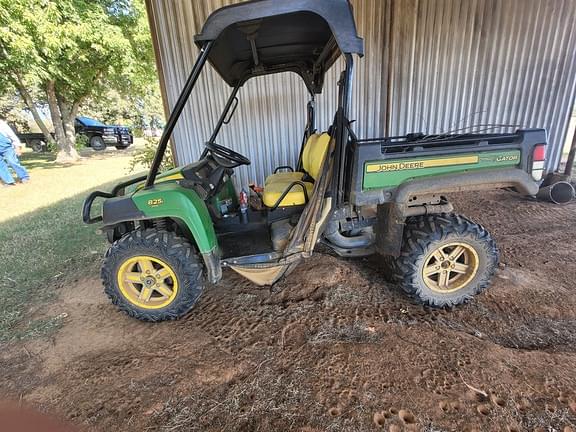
73,51
12,110
18,57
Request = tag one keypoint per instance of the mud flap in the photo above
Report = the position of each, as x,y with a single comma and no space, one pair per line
389,229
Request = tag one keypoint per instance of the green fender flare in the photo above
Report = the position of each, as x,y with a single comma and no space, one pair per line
170,200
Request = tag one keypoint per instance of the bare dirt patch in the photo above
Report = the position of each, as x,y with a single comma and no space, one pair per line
334,347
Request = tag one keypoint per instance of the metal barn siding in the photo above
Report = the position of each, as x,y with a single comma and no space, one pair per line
483,62
430,65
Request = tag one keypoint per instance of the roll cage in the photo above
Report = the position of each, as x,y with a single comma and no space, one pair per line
262,37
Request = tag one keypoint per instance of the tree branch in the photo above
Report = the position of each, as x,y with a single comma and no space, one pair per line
27,97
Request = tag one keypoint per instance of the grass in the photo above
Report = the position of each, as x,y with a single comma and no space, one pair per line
43,242
51,182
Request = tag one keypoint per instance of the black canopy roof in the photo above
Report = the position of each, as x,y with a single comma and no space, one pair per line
260,37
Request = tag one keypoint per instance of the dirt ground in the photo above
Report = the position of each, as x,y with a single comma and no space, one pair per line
334,348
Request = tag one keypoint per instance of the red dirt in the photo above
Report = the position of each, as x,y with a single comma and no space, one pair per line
334,348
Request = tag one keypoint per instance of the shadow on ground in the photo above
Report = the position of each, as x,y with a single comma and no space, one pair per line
41,250
46,160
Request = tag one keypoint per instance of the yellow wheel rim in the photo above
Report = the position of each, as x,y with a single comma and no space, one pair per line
147,282
450,267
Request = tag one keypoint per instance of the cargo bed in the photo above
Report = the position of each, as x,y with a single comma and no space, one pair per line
385,163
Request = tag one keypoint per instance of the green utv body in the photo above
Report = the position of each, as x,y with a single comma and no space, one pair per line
170,232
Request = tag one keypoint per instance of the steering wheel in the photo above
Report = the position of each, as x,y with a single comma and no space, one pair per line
233,158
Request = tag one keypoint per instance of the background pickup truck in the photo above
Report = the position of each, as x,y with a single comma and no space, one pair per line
98,135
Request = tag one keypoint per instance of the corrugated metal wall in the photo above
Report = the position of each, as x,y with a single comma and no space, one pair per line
430,65
457,63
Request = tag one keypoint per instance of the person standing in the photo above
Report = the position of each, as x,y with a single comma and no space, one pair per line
10,149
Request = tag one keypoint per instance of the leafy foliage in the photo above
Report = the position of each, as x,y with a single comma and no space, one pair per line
144,157
81,141
12,111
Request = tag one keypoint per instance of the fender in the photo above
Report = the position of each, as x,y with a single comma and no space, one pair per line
467,181
485,179
394,208
168,200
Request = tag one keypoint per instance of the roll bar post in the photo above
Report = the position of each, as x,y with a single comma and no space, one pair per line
176,112
311,115
344,101
222,120
309,129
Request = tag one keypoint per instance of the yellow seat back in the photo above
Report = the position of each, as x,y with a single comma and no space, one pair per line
314,153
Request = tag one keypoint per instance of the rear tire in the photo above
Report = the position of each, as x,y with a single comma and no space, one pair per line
97,143
38,146
446,259
152,275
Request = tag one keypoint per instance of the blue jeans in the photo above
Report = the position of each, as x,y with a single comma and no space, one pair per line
8,158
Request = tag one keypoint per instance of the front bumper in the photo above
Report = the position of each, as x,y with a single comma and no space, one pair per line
125,140
110,139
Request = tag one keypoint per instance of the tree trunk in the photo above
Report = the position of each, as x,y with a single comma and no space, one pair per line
76,107
66,151
32,107
67,120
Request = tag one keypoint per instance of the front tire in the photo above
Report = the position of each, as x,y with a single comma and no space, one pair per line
152,275
97,143
446,259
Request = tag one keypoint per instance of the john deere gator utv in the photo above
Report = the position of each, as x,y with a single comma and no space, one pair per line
176,230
